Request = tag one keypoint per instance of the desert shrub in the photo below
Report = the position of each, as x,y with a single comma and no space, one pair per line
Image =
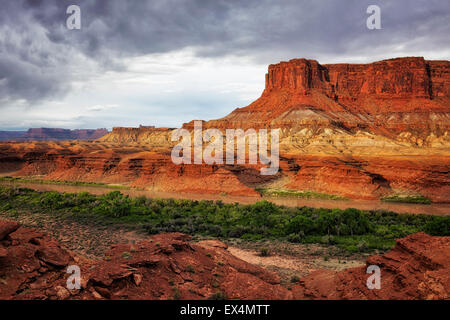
176,294
190,269
264,252
362,246
439,226
262,220
238,231
328,240
252,237
295,237
217,296
357,221
299,224
210,229
151,228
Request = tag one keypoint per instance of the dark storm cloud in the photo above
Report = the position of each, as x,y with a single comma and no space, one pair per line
36,49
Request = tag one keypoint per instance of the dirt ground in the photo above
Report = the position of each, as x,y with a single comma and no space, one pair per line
291,261
90,240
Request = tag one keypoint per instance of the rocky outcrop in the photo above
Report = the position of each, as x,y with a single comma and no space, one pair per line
170,266
6,227
30,263
417,268
372,177
166,266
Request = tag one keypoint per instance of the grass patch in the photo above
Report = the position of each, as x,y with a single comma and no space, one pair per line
407,199
298,194
63,182
351,229
190,269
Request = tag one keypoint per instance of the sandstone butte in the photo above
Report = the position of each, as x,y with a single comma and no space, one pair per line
170,266
357,130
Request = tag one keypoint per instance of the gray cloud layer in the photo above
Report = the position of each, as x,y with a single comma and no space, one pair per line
39,57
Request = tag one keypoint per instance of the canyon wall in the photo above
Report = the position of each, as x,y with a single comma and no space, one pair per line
401,78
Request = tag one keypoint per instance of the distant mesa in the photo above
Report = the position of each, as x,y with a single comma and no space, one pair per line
11,135
48,134
143,134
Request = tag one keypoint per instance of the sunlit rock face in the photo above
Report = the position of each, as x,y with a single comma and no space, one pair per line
403,98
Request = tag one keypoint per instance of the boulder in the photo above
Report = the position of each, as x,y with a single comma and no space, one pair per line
7,227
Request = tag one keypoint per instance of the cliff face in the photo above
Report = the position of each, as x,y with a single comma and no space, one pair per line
402,78
404,99
147,135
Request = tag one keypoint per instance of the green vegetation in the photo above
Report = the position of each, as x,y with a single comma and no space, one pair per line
126,255
190,269
407,199
298,194
68,183
264,252
218,296
350,229
438,226
176,294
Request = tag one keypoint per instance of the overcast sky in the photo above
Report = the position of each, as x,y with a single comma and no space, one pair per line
165,62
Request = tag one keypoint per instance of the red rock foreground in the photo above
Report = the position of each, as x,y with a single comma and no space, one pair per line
168,266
